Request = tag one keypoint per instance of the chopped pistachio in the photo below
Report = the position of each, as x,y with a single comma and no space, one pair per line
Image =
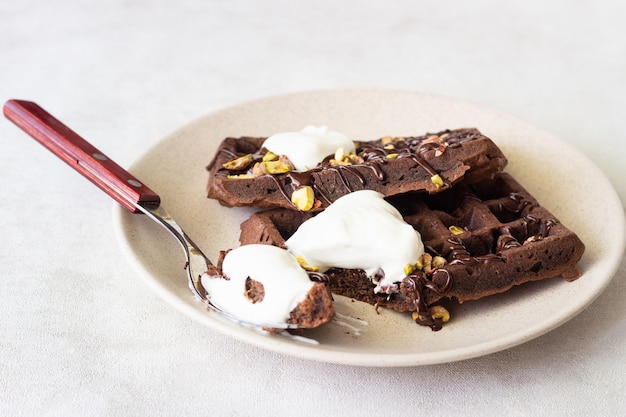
438,262
341,158
534,238
456,230
408,269
334,162
440,312
437,180
390,140
306,266
303,198
270,156
258,169
340,154
239,164
276,167
419,265
437,312
427,260
392,156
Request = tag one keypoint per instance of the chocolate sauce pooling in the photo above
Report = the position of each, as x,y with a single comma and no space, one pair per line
418,283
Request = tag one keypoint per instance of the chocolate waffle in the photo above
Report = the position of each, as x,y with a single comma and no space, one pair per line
493,235
430,163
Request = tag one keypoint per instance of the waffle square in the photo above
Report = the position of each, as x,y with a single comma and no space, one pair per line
492,234
390,165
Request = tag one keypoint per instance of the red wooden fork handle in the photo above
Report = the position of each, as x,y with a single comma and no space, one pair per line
80,155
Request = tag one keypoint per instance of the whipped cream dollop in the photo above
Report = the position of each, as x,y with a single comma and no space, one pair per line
360,230
308,147
285,283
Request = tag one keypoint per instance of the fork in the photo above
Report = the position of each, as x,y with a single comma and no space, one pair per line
123,187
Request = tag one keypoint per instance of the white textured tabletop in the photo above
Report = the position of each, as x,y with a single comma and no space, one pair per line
81,335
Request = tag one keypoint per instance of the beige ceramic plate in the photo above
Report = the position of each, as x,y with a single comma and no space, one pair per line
547,166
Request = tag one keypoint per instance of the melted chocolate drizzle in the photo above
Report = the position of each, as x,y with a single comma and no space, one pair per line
418,284
318,276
